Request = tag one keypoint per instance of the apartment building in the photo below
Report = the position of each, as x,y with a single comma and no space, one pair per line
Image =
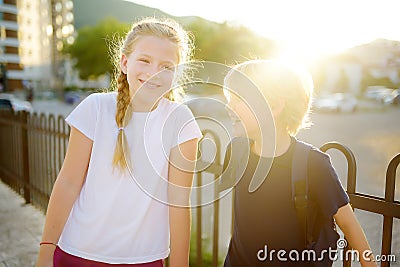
11,70
33,33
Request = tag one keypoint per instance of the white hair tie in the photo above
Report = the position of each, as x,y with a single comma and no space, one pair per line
120,129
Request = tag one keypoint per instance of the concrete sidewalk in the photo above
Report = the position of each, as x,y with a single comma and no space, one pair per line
21,228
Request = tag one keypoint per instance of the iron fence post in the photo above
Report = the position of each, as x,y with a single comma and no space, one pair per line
25,156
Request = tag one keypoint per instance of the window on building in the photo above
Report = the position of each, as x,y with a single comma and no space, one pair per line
1,13
58,7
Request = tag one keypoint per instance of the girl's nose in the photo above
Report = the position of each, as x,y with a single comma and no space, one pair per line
152,70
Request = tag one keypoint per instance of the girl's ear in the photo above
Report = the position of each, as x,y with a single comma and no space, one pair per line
124,63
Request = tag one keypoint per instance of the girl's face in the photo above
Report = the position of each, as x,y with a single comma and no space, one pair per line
150,69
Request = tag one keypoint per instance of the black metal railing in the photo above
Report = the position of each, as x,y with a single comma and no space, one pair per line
32,149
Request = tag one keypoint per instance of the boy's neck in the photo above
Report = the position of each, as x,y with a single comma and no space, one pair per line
282,144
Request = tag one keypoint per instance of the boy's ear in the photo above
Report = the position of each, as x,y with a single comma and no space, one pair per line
123,63
278,107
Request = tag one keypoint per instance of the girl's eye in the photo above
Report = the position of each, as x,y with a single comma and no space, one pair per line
168,67
144,60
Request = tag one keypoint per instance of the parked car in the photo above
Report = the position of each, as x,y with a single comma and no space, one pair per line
393,98
377,93
10,102
337,102
45,95
72,97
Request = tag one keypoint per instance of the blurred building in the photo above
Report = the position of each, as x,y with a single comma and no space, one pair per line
381,57
352,71
43,27
11,70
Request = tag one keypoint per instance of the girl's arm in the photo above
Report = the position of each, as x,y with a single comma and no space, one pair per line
181,169
65,191
348,223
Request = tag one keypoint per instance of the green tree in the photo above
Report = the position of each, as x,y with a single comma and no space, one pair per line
91,50
228,44
217,42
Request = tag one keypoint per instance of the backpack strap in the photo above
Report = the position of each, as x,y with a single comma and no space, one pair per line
300,186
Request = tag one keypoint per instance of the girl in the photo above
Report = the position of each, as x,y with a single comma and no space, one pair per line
266,227
109,206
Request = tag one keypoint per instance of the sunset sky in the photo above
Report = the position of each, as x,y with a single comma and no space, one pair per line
314,27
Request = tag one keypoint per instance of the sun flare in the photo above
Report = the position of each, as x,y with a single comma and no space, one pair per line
306,29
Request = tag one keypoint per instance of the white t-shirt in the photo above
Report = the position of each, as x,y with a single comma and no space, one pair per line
123,218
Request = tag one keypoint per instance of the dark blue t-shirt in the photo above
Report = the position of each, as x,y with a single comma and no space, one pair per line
266,219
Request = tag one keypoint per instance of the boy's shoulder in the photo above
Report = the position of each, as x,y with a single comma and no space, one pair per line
316,156
313,149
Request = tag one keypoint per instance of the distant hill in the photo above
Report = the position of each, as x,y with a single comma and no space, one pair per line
90,12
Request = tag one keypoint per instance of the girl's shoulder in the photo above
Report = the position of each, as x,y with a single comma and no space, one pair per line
165,102
104,96
101,96
174,105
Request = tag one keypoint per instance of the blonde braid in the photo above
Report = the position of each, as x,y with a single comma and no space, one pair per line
121,153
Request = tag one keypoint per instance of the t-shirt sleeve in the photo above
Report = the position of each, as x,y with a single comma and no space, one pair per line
84,116
325,186
186,127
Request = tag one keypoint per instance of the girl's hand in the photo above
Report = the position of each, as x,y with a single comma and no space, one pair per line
46,255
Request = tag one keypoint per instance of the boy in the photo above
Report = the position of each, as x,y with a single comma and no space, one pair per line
267,230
